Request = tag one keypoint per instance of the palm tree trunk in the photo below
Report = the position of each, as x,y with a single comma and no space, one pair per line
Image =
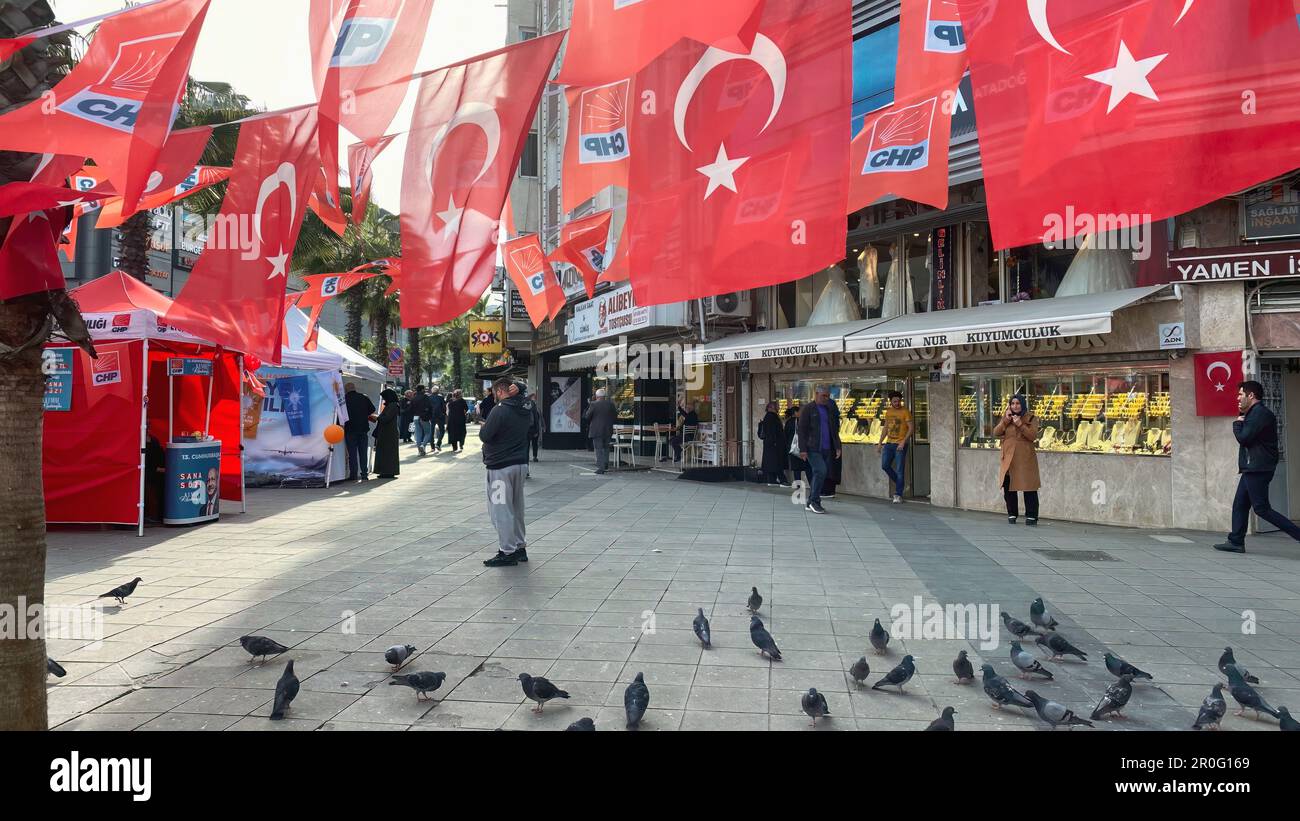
457,372
379,321
133,247
413,364
354,301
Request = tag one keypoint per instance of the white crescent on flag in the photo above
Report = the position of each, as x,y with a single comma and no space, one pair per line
765,53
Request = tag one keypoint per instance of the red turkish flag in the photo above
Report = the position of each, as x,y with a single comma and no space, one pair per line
1217,376
613,39
29,259
321,288
470,124
931,49
903,150
118,103
199,178
595,141
326,207
532,276
1172,128
235,295
360,158
746,185
583,245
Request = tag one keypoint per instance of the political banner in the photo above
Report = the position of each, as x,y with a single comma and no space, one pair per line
193,482
57,363
282,452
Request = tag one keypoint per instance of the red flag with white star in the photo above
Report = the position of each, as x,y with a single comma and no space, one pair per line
1217,376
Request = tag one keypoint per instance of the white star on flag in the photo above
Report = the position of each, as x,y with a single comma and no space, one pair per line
278,264
450,218
1218,386
1129,76
722,171
66,203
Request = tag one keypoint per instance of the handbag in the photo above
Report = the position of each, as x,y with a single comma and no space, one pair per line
794,444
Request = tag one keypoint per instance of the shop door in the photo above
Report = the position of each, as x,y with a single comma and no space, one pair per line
918,458
1273,377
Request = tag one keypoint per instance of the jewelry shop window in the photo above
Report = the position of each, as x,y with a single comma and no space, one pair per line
862,402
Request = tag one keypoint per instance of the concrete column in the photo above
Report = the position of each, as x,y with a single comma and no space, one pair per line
944,435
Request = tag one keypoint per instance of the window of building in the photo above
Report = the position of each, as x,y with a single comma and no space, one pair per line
862,401
528,161
526,33
983,283
874,56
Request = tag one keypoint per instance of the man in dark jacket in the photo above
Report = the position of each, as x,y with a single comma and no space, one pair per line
819,442
438,404
505,455
422,410
686,429
485,405
356,431
535,429
1256,432
600,417
404,417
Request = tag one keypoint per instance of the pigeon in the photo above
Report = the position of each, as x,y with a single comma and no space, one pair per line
398,654
1026,663
1212,710
1285,721
762,639
1059,646
943,723
860,670
1227,658
421,683
701,627
262,646
540,690
53,668
899,676
1053,713
636,700
1016,627
1000,690
122,591
1117,695
962,668
879,638
814,704
1118,667
755,600
1038,615
286,690
584,724
1245,695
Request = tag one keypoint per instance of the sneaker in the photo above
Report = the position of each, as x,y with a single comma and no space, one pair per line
502,560
897,500
1031,522
421,451
1229,547
772,484
521,554
815,508
828,495
1011,520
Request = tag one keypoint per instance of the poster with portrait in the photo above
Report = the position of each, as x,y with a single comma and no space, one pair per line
565,396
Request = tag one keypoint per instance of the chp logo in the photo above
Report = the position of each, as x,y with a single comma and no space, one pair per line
362,41
107,369
602,123
531,264
943,31
329,286
121,324
900,141
115,100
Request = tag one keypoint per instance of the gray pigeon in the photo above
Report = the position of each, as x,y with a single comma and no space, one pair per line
943,723
398,654
962,668
1212,710
421,683
1227,658
636,700
122,591
879,638
1000,690
286,690
261,646
762,639
1245,695
701,627
1016,627
584,724
1059,646
814,704
1117,695
1053,713
899,676
53,668
755,600
1118,667
860,670
1026,663
1285,721
540,690
1038,615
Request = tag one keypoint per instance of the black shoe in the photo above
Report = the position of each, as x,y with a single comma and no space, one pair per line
1012,519
502,560
600,473
1031,522
1229,547
521,554
815,508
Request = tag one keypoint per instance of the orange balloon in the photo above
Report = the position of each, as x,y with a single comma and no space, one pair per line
334,434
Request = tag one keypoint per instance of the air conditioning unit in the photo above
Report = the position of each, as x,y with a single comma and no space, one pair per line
737,303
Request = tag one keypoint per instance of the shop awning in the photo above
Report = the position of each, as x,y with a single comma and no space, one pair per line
815,339
585,360
1007,322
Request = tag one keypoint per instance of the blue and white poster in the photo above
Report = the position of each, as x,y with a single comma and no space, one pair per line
57,365
193,483
284,431
295,402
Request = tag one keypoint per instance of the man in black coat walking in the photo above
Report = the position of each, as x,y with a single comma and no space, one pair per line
356,430
438,404
1256,432
601,415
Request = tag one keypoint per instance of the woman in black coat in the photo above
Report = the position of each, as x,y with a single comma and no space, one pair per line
797,465
457,414
386,462
775,447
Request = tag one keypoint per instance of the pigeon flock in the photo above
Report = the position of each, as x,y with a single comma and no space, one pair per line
1042,629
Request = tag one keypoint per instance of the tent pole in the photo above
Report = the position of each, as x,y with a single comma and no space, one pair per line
144,435
239,380
207,416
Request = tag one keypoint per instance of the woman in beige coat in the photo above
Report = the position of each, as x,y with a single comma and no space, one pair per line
1018,471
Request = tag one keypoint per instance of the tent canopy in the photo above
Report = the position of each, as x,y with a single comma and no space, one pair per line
117,306
355,363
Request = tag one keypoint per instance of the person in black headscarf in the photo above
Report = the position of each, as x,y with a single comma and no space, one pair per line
775,447
1018,471
386,461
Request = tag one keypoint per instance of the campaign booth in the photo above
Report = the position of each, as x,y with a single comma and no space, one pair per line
113,424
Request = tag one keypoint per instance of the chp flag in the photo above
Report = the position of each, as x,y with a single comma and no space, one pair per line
532,276
902,150
583,244
361,157
931,48
1217,376
596,146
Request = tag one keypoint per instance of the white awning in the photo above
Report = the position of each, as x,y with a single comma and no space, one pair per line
815,339
585,360
1006,322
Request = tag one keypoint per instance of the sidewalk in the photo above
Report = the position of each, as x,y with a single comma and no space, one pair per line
619,564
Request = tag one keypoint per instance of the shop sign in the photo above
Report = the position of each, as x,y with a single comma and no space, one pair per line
856,359
1010,334
829,346
1272,220
486,336
518,311
609,314
1172,336
1227,264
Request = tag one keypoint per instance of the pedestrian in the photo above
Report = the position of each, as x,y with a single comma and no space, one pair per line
386,460
438,403
797,465
687,427
505,455
537,427
361,412
1257,456
1018,472
899,428
422,408
457,416
404,416
485,405
600,417
775,447
819,442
